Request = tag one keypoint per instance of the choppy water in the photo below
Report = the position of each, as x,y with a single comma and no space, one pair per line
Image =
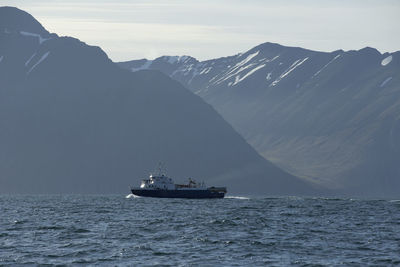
115,230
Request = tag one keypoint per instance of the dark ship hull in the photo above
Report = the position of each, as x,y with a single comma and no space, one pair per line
195,193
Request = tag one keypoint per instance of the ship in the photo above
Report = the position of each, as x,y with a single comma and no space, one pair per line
162,186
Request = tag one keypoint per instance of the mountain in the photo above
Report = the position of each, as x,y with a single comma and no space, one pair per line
330,118
72,121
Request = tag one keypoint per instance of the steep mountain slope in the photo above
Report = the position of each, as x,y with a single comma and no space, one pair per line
72,121
332,118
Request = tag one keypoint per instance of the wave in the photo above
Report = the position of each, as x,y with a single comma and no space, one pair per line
131,196
237,197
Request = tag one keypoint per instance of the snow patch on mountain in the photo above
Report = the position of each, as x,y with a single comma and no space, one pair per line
386,60
205,70
272,59
292,68
176,59
145,66
289,70
318,72
194,74
39,61
233,72
29,60
238,79
185,70
175,72
385,81
248,58
40,38
192,70
239,67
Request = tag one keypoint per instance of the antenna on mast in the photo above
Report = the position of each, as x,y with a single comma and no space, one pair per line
161,168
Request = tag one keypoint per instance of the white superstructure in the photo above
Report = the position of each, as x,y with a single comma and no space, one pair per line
158,182
165,183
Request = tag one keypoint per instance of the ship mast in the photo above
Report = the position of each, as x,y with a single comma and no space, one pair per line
161,169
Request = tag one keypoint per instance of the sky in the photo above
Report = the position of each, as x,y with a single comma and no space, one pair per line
133,29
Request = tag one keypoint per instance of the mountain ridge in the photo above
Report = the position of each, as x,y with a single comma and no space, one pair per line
318,115
73,122
13,19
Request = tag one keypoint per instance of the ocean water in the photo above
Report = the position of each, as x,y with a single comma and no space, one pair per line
235,231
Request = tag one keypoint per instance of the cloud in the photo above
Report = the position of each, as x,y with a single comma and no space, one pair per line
145,39
207,29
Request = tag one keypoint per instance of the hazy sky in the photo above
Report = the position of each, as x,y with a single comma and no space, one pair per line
131,29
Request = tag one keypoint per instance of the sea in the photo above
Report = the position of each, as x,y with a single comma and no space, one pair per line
123,230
